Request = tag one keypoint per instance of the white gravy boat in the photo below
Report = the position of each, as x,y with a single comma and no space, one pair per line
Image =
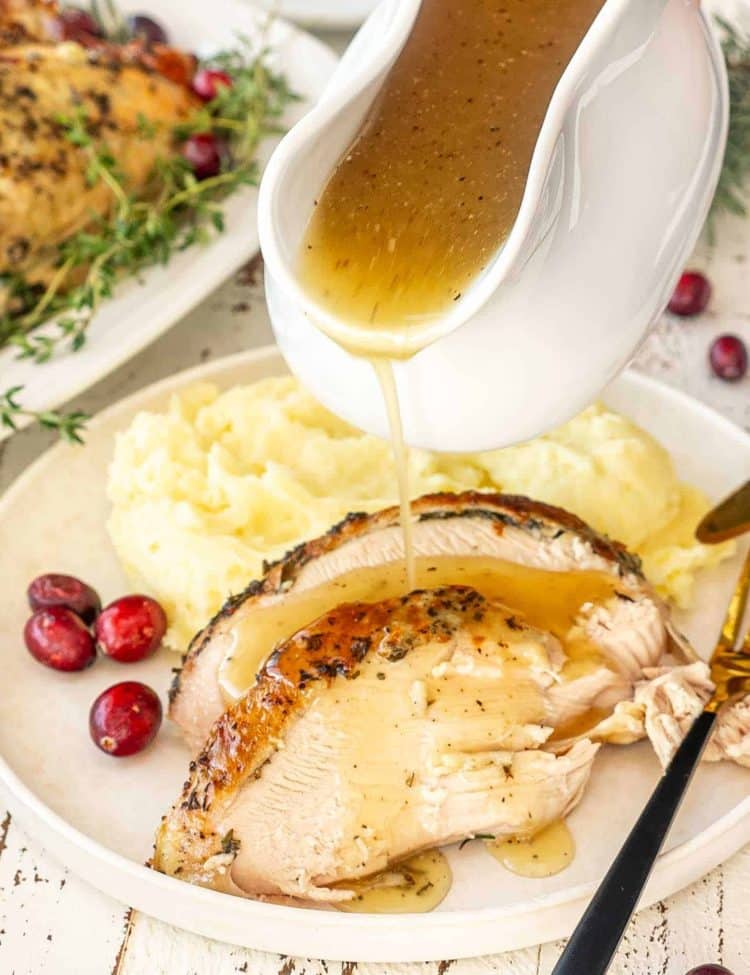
619,187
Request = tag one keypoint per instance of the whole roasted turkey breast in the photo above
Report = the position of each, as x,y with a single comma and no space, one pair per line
116,90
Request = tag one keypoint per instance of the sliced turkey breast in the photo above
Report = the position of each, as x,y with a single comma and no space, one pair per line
731,738
668,701
379,730
628,624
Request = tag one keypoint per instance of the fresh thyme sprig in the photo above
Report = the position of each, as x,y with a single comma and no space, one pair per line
110,20
173,212
246,111
69,426
731,192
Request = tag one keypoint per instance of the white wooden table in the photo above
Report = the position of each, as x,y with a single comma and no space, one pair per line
53,924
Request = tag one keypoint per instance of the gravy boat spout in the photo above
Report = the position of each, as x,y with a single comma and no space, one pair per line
619,186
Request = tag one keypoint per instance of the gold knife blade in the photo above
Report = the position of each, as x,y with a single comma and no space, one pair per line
728,519
730,663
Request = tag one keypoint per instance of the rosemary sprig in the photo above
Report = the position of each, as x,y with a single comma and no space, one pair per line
731,191
175,211
68,425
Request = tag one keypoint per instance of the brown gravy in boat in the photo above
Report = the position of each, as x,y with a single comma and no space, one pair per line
431,185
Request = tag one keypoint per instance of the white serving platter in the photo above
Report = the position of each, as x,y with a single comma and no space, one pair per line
143,309
324,14
97,815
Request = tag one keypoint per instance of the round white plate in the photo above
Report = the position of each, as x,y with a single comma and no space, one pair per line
98,815
141,310
326,14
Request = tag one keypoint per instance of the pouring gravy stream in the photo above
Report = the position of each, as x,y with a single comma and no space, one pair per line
429,188
418,206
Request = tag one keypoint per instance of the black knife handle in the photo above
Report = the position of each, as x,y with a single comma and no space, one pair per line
594,941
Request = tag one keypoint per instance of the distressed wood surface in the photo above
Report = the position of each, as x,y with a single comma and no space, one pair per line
53,924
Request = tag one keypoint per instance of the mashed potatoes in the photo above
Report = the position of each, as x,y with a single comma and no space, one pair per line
203,493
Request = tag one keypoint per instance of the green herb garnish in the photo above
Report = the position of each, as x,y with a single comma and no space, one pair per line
730,193
68,425
476,836
230,843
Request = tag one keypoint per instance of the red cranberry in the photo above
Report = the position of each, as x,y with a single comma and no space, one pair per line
130,628
55,589
203,151
146,29
691,294
125,718
728,358
58,638
208,81
709,970
78,25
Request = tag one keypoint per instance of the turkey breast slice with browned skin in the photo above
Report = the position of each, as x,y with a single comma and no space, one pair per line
379,730
630,628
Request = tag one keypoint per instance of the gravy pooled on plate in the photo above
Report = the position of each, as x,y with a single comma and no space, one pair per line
431,185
